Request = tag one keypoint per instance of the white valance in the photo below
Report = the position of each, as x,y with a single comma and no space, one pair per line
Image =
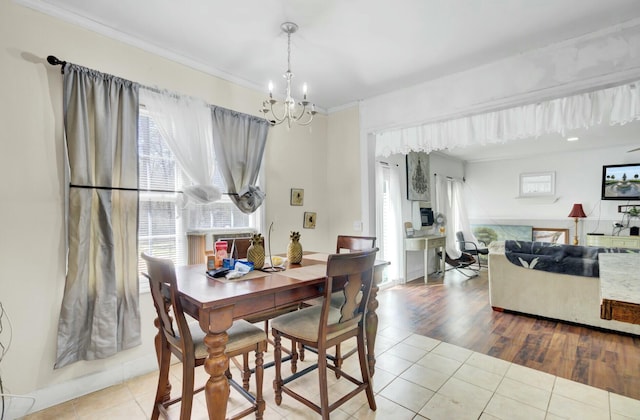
615,105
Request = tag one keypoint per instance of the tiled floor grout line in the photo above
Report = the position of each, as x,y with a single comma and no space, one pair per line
473,362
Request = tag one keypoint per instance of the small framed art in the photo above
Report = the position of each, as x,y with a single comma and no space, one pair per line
297,196
552,235
309,220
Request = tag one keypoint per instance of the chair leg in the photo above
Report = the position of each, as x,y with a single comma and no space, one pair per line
364,370
246,371
338,361
188,371
294,357
266,330
259,379
277,358
322,378
301,352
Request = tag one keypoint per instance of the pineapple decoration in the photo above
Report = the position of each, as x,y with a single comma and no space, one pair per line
294,250
255,253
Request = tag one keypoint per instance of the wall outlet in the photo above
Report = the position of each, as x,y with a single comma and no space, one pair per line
357,226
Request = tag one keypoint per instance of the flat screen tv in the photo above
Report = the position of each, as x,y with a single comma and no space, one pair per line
621,182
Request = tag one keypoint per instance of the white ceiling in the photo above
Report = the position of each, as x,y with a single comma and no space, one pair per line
345,50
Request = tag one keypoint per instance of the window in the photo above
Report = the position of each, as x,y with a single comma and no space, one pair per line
163,225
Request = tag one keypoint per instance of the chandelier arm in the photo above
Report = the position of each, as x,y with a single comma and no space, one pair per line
302,111
310,115
279,120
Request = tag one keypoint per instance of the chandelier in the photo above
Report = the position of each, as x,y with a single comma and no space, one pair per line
276,112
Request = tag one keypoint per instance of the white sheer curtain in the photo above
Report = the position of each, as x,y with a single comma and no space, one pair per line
450,201
444,198
185,124
616,105
459,211
390,226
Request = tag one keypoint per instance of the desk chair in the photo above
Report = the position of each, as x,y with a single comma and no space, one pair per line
186,343
464,261
471,248
324,326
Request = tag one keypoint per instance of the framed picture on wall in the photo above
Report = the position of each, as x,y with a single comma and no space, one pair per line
418,179
297,197
309,220
552,235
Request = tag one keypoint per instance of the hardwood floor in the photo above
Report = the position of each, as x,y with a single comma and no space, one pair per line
456,310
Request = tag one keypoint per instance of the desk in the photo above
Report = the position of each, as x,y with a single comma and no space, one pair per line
215,304
425,243
620,287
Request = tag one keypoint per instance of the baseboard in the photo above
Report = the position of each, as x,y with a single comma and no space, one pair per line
66,391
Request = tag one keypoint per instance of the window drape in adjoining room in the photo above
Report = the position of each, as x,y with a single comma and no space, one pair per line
450,201
239,141
389,223
100,313
185,125
615,105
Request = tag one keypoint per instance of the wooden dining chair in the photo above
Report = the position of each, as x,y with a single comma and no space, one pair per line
185,340
324,326
344,243
237,248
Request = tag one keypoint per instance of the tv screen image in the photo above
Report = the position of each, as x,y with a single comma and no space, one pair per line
621,182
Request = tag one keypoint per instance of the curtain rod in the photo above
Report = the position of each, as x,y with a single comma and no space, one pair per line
54,61
463,179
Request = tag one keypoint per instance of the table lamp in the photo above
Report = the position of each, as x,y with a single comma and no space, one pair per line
577,213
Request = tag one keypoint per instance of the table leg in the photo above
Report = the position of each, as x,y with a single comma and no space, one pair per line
443,260
371,321
426,264
216,324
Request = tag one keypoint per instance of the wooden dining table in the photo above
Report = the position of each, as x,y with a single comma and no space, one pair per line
217,302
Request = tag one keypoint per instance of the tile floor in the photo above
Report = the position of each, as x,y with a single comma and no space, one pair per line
416,378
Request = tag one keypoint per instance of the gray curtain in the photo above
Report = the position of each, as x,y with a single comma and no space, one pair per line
239,141
100,314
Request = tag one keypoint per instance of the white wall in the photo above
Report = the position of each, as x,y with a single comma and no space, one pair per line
32,269
343,173
492,190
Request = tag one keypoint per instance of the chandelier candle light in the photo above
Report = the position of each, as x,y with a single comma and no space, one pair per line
577,213
278,112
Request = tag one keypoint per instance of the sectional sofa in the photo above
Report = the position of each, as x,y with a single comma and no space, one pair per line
518,287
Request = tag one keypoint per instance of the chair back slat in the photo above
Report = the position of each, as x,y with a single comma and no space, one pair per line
237,247
162,281
351,274
354,243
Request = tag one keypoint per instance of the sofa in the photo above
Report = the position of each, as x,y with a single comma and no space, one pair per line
519,287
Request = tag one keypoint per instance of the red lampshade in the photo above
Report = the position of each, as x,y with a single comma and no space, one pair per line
577,211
